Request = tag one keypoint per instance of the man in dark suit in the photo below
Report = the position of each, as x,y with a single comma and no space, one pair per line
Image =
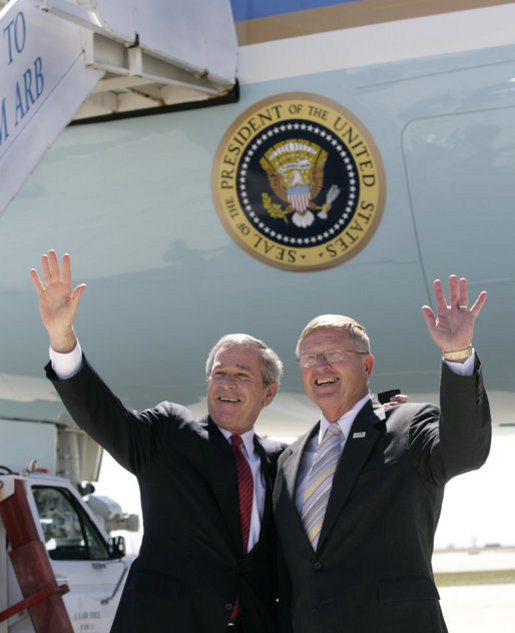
357,499
207,562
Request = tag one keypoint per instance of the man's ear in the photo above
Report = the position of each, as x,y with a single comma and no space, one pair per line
270,392
368,364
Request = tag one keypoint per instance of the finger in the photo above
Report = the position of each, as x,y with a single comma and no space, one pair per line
429,316
36,281
45,268
77,292
479,303
54,265
453,291
463,293
67,270
440,300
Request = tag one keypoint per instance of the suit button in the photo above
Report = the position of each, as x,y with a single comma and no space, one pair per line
229,607
317,565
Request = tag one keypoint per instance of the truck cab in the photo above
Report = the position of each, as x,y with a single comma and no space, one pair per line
56,553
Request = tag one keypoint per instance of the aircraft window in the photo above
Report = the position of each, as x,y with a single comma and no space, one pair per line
69,532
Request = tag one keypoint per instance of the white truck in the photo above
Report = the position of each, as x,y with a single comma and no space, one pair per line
60,570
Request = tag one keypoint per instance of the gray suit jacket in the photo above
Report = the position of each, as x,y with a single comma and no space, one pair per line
372,570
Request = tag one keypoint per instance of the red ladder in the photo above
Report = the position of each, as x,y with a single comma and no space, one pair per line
42,596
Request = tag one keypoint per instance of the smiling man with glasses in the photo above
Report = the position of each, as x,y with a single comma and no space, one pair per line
357,499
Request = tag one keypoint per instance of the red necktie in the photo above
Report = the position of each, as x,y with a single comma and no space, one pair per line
246,494
245,489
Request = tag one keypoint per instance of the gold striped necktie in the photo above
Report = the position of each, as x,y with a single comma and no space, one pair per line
320,481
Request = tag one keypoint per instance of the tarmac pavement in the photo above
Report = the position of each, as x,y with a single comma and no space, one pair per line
477,589
479,608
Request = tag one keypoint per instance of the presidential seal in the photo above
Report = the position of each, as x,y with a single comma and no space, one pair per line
298,182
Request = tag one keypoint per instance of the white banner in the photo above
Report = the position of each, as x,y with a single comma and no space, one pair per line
43,81
45,73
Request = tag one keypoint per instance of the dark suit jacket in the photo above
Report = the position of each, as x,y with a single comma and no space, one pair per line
191,566
372,570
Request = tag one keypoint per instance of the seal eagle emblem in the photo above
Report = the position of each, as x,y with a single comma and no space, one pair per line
298,182
295,170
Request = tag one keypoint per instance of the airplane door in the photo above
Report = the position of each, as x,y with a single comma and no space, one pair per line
460,170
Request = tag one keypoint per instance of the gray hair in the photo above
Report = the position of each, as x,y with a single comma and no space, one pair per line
271,364
337,321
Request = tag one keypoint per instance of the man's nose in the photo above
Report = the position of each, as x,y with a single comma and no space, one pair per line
321,360
228,381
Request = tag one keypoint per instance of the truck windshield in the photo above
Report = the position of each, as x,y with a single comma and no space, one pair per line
69,532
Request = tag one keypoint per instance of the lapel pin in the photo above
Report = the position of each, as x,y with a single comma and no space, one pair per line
359,435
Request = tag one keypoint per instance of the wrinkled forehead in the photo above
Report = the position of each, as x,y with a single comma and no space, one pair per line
242,356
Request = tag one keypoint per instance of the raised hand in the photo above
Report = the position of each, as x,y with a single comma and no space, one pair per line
58,303
452,328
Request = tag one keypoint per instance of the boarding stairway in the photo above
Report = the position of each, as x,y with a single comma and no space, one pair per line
42,596
65,59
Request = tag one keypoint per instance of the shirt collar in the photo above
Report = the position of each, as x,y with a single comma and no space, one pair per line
345,422
247,437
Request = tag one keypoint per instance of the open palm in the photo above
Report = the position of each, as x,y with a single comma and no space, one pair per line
452,327
58,303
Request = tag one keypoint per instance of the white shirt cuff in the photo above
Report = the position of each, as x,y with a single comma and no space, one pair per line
66,365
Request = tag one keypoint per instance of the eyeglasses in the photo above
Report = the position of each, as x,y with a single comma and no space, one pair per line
330,356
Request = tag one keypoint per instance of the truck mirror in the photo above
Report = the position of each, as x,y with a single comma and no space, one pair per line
116,546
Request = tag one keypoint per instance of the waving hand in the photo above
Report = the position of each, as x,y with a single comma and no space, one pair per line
58,303
452,328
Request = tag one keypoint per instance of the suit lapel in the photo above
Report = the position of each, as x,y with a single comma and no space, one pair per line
293,459
290,469
222,472
267,475
265,464
364,433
